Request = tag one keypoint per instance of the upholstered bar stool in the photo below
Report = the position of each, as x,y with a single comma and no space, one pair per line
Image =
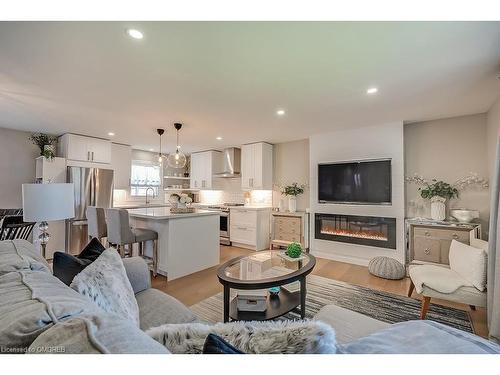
96,223
121,234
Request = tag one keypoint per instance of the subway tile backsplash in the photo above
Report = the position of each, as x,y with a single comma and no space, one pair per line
223,196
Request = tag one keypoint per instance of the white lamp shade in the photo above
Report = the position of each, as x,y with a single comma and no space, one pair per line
48,202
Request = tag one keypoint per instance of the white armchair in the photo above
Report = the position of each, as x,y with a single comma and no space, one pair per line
464,281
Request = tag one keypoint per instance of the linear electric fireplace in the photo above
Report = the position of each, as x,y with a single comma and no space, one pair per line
361,230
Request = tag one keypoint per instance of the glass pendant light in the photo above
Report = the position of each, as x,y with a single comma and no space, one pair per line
160,155
177,159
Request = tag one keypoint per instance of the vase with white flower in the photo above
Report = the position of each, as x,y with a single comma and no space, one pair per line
292,191
438,192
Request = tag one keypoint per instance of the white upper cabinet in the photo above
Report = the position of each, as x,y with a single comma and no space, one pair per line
203,165
257,166
121,162
86,149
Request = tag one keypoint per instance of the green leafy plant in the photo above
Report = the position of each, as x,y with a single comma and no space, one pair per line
438,189
42,140
48,154
294,250
293,189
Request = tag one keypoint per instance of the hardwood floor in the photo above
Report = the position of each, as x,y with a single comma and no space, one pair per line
194,288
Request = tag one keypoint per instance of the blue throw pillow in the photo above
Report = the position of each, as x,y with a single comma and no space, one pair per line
217,345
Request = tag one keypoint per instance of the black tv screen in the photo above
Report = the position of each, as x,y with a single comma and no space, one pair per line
362,182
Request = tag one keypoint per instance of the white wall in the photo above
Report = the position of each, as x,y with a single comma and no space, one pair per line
291,164
374,142
493,134
447,149
17,165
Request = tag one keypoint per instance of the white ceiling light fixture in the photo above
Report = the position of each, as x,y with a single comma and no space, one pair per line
111,134
177,159
372,90
134,33
280,112
219,138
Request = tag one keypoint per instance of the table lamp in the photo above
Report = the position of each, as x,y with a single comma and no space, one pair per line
47,202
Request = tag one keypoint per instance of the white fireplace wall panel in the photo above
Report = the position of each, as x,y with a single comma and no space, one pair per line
372,142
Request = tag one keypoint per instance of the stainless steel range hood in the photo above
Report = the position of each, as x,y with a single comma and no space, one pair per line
231,163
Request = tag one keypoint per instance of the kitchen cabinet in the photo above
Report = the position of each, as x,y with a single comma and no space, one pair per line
86,149
257,166
249,227
121,162
203,166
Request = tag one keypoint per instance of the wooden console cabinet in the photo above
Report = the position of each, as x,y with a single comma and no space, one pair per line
288,227
429,242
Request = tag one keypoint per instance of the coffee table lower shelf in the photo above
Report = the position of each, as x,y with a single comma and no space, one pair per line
277,305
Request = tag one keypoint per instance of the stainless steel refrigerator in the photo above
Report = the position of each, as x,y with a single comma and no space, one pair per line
93,187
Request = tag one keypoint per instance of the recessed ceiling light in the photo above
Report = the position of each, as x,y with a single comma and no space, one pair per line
134,33
111,134
151,149
280,112
219,138
372,90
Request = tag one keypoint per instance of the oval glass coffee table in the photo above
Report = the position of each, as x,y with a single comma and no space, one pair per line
263,270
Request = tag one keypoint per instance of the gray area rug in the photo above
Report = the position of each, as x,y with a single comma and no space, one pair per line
383,306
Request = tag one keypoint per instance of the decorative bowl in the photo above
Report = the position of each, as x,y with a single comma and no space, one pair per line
463,215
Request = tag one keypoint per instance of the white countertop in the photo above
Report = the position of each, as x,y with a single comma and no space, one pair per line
163,213
142,205
250,207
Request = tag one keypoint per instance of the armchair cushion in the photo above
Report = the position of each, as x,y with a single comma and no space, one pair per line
470,263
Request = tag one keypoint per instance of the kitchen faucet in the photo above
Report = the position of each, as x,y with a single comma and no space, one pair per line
153,190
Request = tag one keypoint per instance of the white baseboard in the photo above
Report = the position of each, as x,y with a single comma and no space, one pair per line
340,258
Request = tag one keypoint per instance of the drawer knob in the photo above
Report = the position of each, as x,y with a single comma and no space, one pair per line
427,251
455,236
427,233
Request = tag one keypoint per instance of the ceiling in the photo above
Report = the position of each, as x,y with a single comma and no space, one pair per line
228,78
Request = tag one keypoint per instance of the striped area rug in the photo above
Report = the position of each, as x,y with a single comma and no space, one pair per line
383,306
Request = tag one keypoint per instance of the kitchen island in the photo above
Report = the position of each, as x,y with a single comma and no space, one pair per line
187,242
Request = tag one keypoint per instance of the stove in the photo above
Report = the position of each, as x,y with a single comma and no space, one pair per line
224,225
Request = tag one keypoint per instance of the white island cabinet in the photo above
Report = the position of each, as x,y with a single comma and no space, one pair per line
187,243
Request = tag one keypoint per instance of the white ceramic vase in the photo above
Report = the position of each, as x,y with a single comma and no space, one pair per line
292,203
282,205
438,208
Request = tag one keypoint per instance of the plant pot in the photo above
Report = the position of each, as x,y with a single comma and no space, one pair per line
292,203
49,151
438,208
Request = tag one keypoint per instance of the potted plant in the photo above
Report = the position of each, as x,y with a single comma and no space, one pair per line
291,191
45,143
438,192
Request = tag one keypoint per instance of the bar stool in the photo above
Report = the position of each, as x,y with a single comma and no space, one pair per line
97,223
121,234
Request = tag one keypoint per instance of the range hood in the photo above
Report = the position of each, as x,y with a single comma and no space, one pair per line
231,163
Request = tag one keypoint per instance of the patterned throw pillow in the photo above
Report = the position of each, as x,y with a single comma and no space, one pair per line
106,283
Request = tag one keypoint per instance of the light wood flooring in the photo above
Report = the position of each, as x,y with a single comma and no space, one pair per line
196,287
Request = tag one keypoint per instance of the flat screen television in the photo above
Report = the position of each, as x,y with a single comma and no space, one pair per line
356,182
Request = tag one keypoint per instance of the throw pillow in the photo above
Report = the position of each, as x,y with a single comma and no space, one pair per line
469,262
106,283
270,337
67,266
216,345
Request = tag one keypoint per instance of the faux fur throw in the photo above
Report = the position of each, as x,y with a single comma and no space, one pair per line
105,282
273,337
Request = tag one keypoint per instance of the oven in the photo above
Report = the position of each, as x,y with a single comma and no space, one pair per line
223,223
224,228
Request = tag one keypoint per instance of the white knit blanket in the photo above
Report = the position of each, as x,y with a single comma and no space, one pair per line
440,279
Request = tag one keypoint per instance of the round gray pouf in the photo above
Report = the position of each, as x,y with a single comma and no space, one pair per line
386,268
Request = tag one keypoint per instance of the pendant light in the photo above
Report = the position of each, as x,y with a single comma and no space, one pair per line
160,133
177,159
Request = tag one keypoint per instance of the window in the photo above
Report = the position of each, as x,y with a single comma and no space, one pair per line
144,175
